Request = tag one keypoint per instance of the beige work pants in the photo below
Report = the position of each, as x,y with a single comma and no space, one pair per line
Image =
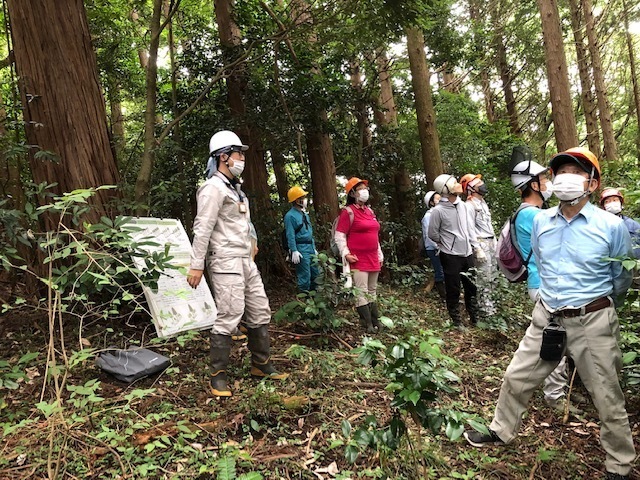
237,289
592,342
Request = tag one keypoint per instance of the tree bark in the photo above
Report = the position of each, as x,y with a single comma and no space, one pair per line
485,82
280,172
143,182
425,112
504,68
362,118
610,151
187,207
319,146
255,176
634,74
564,121
586,95
63,107
117,122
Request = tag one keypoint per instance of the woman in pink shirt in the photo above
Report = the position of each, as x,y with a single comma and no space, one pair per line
357,239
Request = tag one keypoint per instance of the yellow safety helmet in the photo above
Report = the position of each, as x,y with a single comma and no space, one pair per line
295,193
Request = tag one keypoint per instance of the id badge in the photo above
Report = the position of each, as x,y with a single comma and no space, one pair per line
242,207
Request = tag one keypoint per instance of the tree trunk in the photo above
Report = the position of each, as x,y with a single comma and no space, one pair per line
280,172
610,151
478,40
634,74
386,102
117,122
187,217
255,176
362,119
319,147
323,174
586,84
63,107
426,114
504,68
564,121
143,182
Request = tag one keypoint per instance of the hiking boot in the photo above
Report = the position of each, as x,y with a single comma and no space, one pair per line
558,405
478,439
260,347
615,476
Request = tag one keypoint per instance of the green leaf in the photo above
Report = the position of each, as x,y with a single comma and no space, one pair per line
346,428
351,453
454,430
226,467
629,357
251,476
480,427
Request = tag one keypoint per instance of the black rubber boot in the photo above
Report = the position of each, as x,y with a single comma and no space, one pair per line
373,308
365,318
260,347
220,351
471,304
440,289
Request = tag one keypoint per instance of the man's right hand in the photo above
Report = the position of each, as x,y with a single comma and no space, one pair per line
194,277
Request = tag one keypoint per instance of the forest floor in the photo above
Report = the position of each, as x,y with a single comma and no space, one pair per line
169,426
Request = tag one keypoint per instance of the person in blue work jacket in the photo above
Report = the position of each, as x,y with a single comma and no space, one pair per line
575,246
300,239
612,200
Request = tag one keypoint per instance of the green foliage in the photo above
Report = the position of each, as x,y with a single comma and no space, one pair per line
12,375
418,374
317,308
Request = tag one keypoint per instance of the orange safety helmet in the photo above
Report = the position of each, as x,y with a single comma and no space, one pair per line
583,156
610,192
353,181
466,179
295,193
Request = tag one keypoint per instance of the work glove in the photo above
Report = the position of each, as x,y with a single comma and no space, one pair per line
480,256
296,257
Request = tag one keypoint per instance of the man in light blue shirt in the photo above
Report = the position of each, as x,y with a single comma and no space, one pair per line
572,244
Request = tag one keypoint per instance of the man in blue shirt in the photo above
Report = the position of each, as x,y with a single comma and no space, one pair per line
578,290
300,239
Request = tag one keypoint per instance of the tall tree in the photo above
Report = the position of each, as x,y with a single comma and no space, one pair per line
478,43
319,145
143,182
610,151
504,67
634,74
255,175
564,122
63,107
362,117
420,80
589,108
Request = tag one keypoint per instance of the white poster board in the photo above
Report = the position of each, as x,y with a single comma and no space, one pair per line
175,307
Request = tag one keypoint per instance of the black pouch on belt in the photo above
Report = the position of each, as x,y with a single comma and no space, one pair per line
554,341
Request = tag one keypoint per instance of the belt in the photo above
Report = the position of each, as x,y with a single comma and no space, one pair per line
598,304
304,242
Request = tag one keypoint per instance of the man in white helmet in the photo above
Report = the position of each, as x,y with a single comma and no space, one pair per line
222,240
531,180
452,228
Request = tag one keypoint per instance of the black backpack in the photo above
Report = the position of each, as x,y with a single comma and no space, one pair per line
283,238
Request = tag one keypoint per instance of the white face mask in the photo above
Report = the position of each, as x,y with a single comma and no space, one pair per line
568,186
304,203
546,195
613,207
363,195
237,168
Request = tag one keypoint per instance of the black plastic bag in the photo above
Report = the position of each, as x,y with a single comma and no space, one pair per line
132,364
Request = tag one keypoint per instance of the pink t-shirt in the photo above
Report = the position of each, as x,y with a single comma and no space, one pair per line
362,237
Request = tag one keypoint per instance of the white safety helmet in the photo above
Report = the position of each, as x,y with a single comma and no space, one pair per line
225,140
523,172
446,184
428,197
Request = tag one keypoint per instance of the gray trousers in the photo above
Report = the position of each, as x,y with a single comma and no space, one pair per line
237,289
592,343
